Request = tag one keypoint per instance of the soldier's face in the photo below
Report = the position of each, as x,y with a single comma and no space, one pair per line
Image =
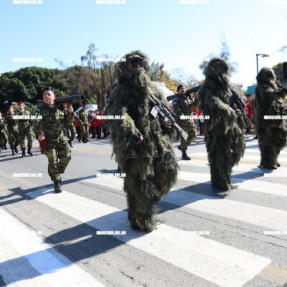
21,107
48,97
11,110
70,109
181,91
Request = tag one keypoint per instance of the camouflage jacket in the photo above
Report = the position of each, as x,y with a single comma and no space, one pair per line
52,122
24,124
84,117
12,124
70,119
183,105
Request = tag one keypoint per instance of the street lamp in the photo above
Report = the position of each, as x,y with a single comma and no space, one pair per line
263,55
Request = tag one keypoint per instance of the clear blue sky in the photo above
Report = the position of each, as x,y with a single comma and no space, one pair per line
178,35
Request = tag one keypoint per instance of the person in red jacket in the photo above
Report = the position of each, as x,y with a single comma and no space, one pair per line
248,111
98,125
78,129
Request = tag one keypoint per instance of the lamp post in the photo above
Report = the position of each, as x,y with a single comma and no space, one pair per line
263,55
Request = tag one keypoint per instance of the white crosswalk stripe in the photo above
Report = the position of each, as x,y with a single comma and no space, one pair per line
41,265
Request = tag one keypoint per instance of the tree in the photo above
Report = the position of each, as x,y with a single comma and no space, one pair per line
156,71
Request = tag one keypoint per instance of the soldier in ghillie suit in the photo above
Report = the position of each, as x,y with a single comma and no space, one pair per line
142,144
183,107
51,130
25,128
224,130
272,132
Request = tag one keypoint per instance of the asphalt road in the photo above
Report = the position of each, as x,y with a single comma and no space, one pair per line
82,237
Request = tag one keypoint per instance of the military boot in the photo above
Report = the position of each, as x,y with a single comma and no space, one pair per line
5,146
70,143
29,152
57,186
13,153
15,148
23,153
184,155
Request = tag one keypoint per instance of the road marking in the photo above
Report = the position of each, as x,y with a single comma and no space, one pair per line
208,259
37,263
274,274
252,214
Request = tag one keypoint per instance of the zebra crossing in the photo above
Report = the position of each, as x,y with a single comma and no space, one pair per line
202,253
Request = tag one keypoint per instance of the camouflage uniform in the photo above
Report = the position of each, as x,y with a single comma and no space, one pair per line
150,165
84,121
224,130
25,129
58,150
70,126
182,106
3,134
13,134
272,133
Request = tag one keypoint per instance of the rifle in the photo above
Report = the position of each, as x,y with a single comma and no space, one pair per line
188,92
70,99
166,114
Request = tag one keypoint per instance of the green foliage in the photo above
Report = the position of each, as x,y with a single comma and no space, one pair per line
26,84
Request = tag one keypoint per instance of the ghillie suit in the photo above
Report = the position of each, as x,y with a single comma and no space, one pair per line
224,131
272,133
150,165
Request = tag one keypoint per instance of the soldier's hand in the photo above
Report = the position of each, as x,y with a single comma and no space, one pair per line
167,123
41,137
140,139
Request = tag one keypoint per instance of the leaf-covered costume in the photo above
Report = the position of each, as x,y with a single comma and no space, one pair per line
224,130
150,165
271,101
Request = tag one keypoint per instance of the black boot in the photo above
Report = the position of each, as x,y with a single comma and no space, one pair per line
5,146
23,153
57,186
29,152
13,153
184,155
70,143
16,149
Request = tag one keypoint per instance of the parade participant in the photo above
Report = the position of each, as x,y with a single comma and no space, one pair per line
84,120
51,129
143,144
248,112
12,126
183,106
3,133
25,128
70,124
224,130
271,127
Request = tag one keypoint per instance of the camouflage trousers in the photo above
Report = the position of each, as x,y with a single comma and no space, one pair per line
190,129
72,129
84,131
30,136
59,156
13,137
3,138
